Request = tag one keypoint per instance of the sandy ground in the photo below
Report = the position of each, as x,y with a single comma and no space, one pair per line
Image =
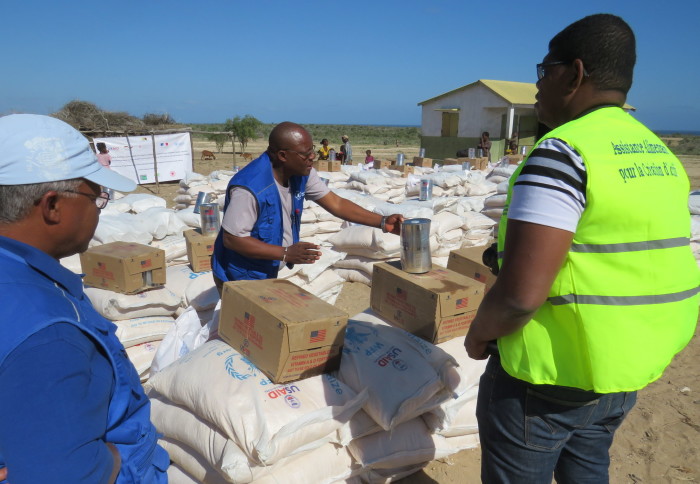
658,443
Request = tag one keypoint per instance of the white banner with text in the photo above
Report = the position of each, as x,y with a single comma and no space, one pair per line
133,156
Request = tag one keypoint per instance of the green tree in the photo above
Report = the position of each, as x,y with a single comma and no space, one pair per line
244,129
219,139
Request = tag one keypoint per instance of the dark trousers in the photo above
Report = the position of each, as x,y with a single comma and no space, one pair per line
530,433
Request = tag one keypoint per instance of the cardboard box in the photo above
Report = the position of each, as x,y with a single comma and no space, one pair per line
379,164
515,159
422,162
287,332
469,261
451,161
326,165
123,267
404,169
437,306
477,163
199,249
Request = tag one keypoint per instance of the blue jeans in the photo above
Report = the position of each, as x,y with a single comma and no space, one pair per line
530,433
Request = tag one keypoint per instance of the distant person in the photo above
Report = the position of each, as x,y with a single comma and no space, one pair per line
598,287
103,155
513,144
485,145
325,151
72,408
368,157
346,150
264,205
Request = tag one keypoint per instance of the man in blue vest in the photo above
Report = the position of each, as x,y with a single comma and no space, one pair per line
72,406
598,287
263,207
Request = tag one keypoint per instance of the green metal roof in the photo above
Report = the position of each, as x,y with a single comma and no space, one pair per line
511,92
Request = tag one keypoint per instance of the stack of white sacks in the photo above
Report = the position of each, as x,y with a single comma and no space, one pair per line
349,250
143,320
396,403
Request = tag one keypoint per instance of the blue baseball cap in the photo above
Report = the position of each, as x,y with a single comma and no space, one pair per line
40,149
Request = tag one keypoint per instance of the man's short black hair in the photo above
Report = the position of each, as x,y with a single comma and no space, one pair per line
606,46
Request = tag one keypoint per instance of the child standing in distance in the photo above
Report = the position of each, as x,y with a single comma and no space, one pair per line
369,160
103,155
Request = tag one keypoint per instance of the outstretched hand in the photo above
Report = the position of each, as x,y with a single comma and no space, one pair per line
393,223
303,253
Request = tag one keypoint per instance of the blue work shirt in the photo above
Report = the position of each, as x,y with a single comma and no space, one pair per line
67,385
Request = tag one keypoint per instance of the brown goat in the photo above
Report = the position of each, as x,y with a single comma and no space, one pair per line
208,155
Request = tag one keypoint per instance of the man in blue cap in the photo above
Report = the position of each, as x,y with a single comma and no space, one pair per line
72,406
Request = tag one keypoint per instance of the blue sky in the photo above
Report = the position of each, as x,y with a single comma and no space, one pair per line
355,62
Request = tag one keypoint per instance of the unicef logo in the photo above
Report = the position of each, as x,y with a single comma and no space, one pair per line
400,365
292,401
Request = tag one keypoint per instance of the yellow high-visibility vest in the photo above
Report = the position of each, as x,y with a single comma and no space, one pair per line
626,298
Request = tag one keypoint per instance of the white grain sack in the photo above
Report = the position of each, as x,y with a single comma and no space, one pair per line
399,379
266,420
115,306
132,332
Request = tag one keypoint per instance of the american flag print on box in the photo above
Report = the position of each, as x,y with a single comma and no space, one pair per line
462,303
317,336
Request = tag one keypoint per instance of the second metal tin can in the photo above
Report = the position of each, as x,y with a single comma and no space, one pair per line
209,218
426,189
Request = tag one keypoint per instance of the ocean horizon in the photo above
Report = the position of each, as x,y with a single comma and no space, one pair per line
676,131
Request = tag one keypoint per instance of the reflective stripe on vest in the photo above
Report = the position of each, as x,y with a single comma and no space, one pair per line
626,298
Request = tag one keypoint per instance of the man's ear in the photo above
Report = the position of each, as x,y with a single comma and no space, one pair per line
578,74
281,155
50,205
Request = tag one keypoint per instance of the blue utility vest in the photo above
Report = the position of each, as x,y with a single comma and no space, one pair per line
257,178
38,301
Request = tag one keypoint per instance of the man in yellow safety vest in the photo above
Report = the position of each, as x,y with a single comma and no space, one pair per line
598,287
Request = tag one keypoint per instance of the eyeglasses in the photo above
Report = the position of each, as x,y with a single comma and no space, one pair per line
305,155
541,67
100,200
541,72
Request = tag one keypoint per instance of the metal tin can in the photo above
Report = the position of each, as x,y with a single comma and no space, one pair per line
523,150
472,152
421,152
200,200
209,218
147,278
466,166
415,246
480,153
426,189
331,155
399,159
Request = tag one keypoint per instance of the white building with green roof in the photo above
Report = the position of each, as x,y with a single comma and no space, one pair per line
454,120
